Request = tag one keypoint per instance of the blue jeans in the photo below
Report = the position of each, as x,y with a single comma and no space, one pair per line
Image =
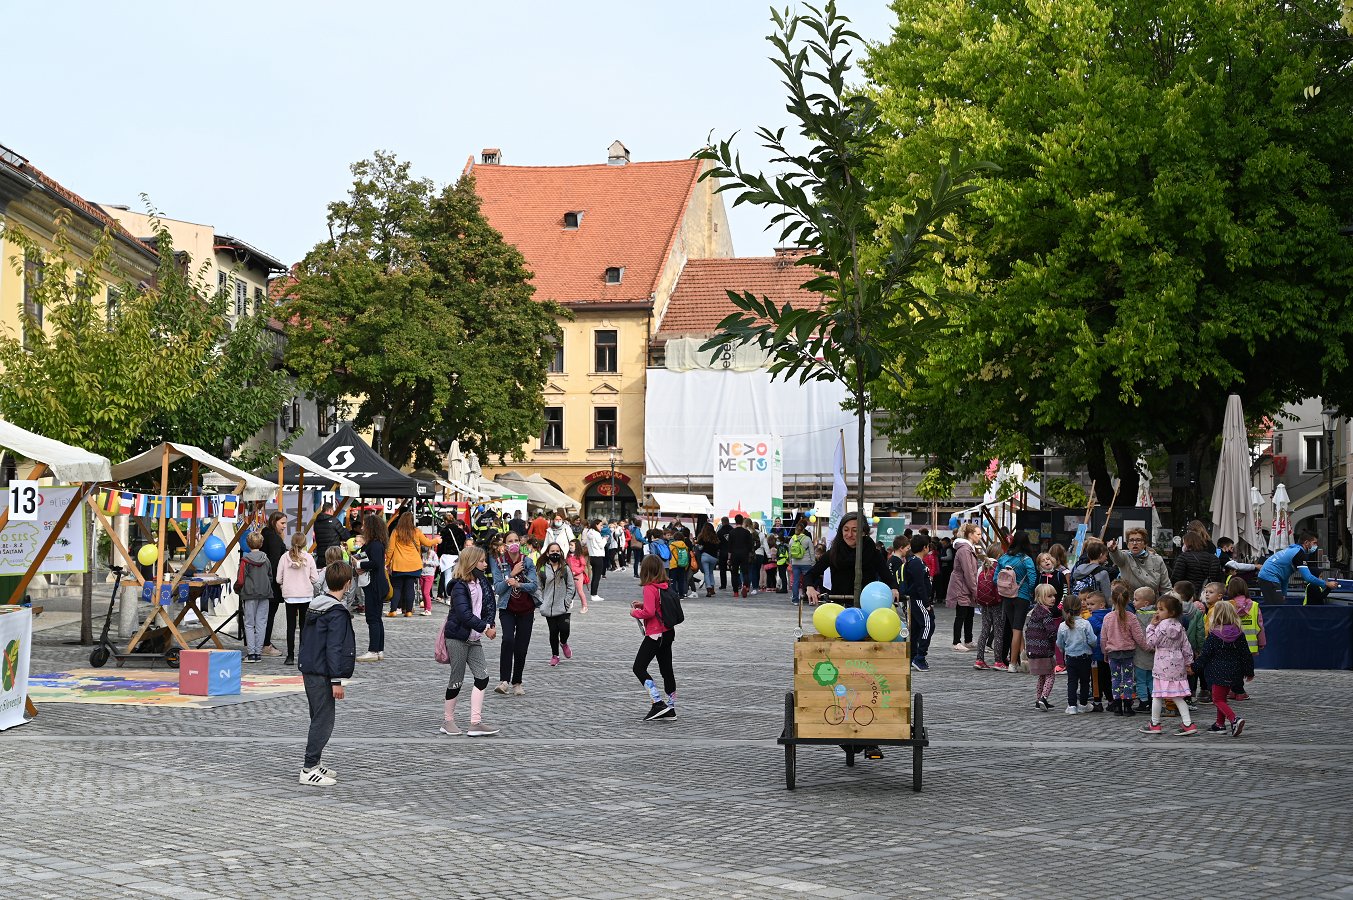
753,576
798,572
707,565
1143,679
637,555
680,578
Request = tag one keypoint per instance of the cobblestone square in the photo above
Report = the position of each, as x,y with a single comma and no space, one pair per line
579,798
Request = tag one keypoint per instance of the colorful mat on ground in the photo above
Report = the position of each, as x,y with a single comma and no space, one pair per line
149,687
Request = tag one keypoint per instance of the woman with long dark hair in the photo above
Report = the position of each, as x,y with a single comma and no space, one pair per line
834,571
707,546
371,565
274,547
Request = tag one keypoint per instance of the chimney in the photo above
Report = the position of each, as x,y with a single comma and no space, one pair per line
618,155
491,156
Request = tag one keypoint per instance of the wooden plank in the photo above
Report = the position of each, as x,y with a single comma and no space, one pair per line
840,651
117,541
852,733
898,687
891,667
829,716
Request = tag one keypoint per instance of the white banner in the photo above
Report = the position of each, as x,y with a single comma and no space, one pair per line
16,643
21,541
749,475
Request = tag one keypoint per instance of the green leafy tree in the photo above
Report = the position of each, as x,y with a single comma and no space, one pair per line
235,390
876,316
1164,230
92,374
416,309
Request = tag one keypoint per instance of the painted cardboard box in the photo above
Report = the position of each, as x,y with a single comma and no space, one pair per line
209,673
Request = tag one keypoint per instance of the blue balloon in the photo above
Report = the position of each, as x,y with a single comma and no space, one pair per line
850,624
953,523
876,595
214,549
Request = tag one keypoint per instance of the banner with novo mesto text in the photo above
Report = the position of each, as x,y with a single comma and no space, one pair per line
749,475
16,641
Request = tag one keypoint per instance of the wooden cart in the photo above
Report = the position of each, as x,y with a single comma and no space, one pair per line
853,694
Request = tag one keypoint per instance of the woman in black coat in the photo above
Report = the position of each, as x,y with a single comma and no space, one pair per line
274,547
1196,564
838,564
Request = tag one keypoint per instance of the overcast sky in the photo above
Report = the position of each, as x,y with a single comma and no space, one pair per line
246,115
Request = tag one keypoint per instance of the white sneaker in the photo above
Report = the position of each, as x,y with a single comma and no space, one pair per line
1072,710
519,691
596,600
369,656
1085,708
325,770
960,648
315,778
502,688
426,612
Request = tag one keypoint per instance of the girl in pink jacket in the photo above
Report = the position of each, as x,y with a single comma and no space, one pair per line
658,638
298,575
1174,655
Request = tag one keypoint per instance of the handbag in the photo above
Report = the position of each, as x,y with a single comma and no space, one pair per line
439,651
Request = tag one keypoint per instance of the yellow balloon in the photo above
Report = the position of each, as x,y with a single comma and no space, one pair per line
884,625
147,555
824,619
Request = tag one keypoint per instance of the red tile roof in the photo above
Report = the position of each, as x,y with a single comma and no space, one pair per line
89,209
630,217
700,300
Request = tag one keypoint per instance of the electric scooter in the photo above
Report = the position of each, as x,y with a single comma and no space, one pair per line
150,646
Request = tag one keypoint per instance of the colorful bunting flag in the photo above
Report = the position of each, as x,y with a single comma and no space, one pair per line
155,506
230,506
185,507
128,504
110,502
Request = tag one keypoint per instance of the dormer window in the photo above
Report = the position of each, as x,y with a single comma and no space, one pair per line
615,274
572,220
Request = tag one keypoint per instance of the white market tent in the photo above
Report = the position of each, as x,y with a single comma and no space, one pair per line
255,488
683,504
66,463
561,500
537,490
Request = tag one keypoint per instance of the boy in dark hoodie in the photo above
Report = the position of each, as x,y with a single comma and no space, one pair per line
255,594
328,655
1226,663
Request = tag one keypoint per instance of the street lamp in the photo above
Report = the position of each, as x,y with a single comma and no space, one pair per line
610,451
1331,417
378,423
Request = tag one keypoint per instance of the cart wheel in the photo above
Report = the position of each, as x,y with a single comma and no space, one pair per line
917,734
171,656
791,749
99,657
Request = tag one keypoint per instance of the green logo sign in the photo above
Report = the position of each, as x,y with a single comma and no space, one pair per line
9,669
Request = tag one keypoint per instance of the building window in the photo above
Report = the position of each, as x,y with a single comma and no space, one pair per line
604,427
241,299
1277,443
221,281
258,299
552,438
572,220
114,298
607,347
32,280
556,357
1313,452
615,274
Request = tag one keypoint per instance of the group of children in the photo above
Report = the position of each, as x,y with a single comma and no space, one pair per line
1145,651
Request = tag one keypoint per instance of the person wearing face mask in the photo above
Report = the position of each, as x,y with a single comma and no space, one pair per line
470,620
559,532
1278,569
1140,566
514,583
557,592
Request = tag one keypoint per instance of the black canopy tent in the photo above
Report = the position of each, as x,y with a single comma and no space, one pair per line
348,455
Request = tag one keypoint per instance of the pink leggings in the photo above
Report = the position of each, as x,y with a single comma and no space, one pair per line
1045,683
1224,711
427,591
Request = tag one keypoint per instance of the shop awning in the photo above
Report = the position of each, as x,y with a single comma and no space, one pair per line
683,504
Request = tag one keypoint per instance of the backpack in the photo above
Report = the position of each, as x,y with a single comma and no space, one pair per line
1087,582
798,548
1007,582
661,550
683,556
669,607
986,595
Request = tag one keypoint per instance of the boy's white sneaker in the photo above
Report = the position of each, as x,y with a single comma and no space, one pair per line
1085,708
369,656
315,778
1072,710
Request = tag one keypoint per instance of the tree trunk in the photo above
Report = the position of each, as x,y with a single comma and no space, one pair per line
859,483
1129,479
1098,471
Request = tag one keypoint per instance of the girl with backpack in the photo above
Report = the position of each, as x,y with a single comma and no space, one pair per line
298,575
679,564
469,621
557,592
801,557
1015,577
658,639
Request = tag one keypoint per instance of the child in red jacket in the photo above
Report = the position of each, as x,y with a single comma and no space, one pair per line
658,638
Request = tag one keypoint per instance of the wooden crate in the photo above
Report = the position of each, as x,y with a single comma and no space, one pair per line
852,690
